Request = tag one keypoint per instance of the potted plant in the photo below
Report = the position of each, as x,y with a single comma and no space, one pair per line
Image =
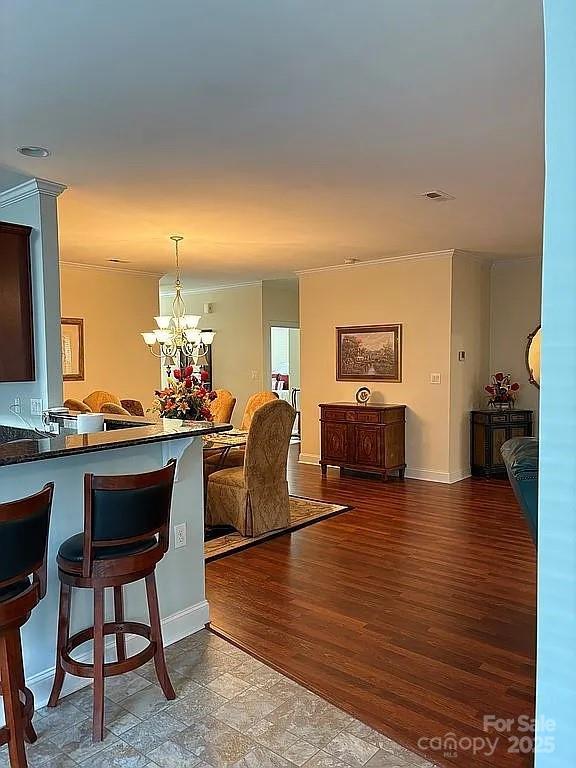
502,390
184,397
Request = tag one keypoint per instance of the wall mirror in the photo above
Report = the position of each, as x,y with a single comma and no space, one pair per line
533,356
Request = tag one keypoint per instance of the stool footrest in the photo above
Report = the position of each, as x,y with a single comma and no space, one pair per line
27,713
111,668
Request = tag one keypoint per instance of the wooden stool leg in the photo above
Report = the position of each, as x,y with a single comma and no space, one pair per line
12,703
62,639
18,666
156,636
98,707
119,618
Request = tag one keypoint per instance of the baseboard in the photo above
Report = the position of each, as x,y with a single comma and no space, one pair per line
174,628
459,474
412,473
308,458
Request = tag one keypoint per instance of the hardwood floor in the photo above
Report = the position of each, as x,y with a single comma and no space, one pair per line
415,611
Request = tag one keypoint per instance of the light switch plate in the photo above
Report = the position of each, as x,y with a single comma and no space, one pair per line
35,406
435,378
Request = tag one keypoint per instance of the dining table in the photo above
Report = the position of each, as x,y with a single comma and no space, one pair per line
223,442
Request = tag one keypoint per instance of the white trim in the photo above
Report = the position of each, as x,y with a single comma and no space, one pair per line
308,458
174,628
412,473
169,292
29,189
105,268
383,260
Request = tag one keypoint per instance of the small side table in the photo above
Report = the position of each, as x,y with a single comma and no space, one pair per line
489,430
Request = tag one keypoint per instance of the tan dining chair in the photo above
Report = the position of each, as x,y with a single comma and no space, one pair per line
254,498
96,399
223,406
77,405
112,408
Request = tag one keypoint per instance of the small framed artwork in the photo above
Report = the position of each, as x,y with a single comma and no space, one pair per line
72,332
369,353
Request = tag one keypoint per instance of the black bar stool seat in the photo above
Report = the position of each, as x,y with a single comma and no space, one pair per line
71,552
126,524
24,528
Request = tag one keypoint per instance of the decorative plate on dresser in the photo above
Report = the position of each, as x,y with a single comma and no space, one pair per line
364,438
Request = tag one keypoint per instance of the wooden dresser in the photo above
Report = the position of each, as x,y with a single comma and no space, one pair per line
489,430
364,438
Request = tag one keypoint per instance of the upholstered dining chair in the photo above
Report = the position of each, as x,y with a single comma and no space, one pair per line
77,405
254,402
235,456
134,407
223,406
116,410
96,399
254,498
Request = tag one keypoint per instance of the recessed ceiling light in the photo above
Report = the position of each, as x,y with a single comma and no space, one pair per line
119,261
34,151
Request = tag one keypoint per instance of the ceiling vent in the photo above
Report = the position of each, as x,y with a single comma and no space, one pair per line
437,196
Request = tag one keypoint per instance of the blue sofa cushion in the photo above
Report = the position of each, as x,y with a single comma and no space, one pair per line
521,460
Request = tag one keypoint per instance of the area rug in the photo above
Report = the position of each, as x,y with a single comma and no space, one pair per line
225,541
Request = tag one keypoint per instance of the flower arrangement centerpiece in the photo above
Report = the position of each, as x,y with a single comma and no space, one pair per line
184,397
502,391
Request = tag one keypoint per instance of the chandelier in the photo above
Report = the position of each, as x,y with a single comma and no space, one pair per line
177,338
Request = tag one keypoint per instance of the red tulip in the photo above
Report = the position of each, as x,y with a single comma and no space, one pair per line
204,376
515,387
499,376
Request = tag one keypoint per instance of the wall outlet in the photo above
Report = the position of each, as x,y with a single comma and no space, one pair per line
180,535
36,406
435,378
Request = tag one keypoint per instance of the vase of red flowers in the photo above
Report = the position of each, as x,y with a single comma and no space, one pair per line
184,397
502,391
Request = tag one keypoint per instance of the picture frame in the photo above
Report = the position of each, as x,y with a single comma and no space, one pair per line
72,348
369,353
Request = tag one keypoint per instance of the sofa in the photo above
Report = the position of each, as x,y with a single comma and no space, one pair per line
521,460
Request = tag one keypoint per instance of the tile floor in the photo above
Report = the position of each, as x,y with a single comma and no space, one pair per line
231,711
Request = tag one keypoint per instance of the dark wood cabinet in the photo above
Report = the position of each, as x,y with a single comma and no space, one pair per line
489,430
16,325
365,438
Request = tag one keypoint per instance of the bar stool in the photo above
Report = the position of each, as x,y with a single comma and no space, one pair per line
126,533
24,528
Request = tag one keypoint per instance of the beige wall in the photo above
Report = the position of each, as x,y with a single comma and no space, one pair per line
116,307
469,334
414,292
237,352
516,288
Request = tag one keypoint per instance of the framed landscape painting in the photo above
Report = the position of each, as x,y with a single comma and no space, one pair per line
369,353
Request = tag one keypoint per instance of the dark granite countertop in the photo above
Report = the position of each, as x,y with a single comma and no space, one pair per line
18,446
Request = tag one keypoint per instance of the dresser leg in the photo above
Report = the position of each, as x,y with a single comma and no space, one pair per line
402,473
324,469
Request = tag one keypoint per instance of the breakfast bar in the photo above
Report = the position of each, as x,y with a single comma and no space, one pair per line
30,459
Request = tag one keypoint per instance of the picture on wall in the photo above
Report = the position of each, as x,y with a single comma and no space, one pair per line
369,353
72,334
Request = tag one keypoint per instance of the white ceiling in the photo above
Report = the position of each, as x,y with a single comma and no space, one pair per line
278,134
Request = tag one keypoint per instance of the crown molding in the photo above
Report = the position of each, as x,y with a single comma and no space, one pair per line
105,268
29,189
169,290
375,262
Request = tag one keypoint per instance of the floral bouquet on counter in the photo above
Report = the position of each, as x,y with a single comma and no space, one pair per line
502,391
184,397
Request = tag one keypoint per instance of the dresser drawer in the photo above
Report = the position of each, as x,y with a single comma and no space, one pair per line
367,417
499,418
334,414
520,416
